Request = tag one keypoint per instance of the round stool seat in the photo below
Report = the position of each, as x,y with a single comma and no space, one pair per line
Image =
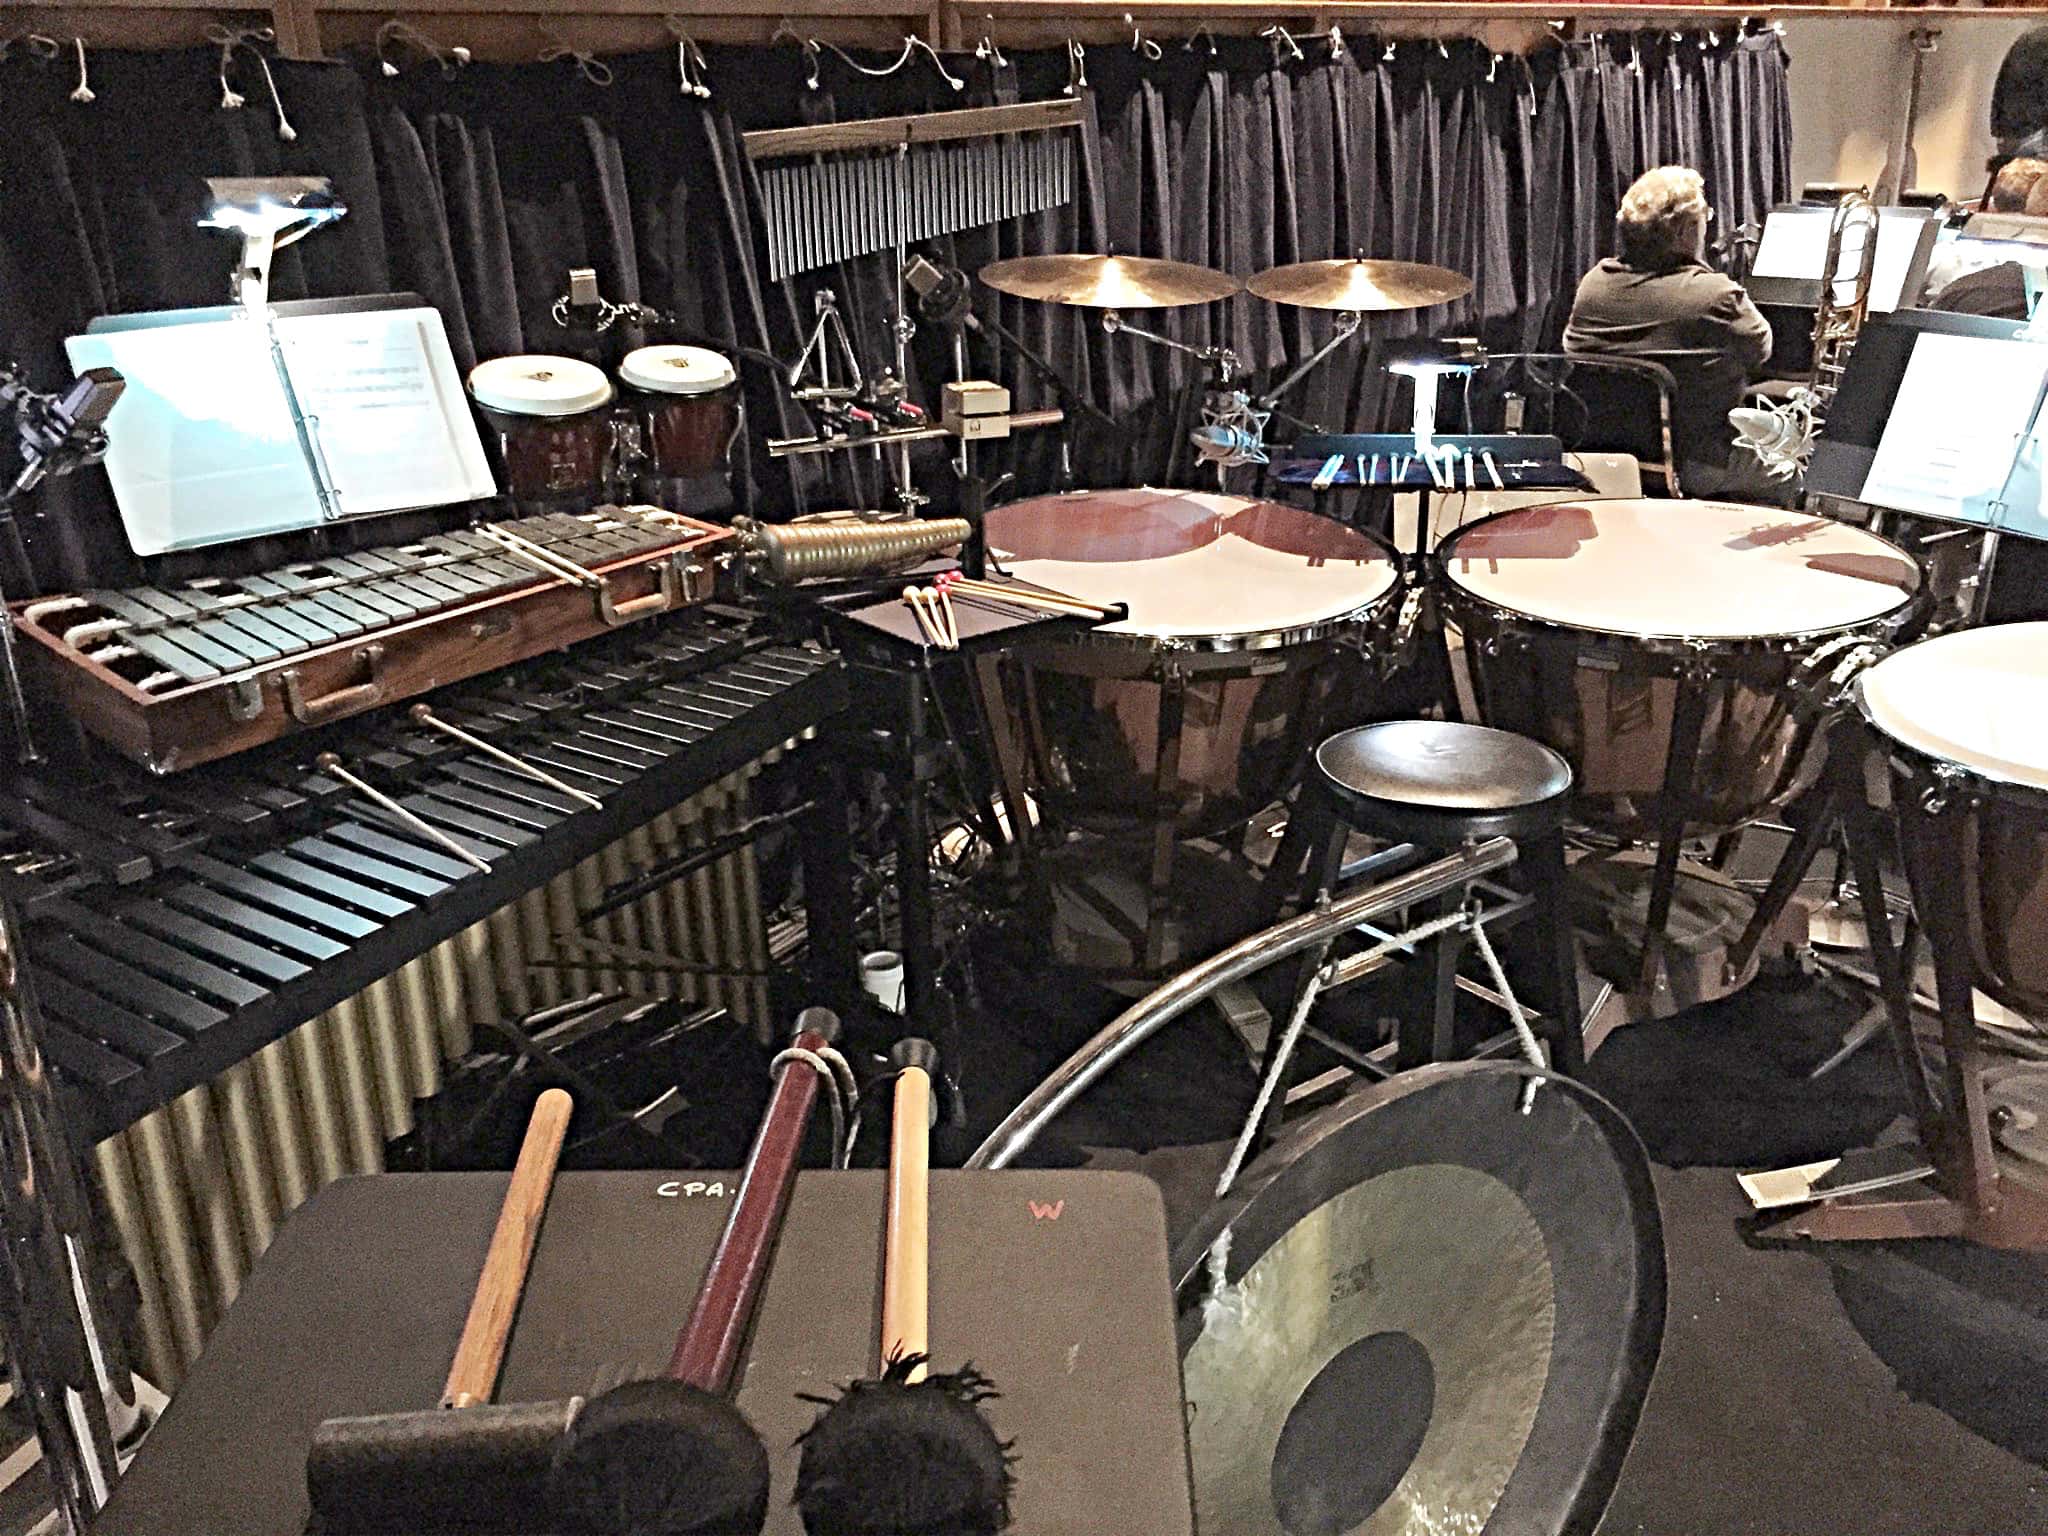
1441,782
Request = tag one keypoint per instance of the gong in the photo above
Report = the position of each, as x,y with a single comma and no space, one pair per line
1435,1313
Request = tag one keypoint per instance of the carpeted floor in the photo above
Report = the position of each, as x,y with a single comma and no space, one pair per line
1875,1390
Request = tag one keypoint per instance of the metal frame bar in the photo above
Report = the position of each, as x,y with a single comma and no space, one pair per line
1164,1004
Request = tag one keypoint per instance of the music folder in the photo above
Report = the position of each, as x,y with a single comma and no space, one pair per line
231,428
1940,415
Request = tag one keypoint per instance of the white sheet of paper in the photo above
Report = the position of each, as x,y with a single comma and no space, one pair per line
1955,426
1795,245
201,446
390,419
203,449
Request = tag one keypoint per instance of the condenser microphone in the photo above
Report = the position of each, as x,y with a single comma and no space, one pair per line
1781,437
942,295
1228,446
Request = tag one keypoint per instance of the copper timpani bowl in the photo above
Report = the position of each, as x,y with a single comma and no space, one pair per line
1247,619
1583,621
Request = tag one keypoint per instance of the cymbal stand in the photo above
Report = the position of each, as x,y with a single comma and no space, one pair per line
1349,322
1222,359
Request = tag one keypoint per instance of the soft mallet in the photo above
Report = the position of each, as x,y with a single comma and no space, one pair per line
909,1453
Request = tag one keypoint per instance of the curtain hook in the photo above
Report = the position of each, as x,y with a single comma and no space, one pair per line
1077,68
1140,43
593,69
1281,38
1529,79
399,31
987,48
1336,41
1388,56
1492,68
1443,48
82,93
1205,35
787,28
911,42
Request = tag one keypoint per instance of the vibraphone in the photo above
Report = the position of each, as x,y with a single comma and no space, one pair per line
249,972
183,674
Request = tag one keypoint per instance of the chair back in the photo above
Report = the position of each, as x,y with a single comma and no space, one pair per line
1592,404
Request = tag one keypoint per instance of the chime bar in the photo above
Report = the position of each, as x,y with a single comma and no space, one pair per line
924,128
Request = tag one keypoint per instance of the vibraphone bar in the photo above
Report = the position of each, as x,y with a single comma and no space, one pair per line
176,926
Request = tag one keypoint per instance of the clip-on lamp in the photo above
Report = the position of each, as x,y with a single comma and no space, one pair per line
269,213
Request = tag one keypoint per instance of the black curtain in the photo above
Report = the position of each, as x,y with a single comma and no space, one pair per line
479,189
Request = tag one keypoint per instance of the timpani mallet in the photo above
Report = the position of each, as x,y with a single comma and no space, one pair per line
344,1490
664,1457
907,1453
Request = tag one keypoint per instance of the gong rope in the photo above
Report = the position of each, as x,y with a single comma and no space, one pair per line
1473,922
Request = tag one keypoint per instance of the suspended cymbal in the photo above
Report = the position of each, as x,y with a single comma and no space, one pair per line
1108,282
1360,285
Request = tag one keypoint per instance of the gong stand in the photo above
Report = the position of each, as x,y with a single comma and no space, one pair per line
1974,1199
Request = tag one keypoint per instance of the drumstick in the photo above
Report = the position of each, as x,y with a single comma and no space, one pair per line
480,1353
1028,597
945,601
330,765
1493,471
433,722
930,599
906,1315
1470,479
909,1451
1327,475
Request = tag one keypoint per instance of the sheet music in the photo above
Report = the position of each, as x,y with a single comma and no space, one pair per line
1955,426
384,417
1795,246
203,448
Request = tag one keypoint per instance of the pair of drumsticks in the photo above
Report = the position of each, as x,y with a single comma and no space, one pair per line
940,625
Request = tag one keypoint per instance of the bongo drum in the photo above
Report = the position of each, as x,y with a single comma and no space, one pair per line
1188,717
1674,651
550,426
1424,1310
1963,721
686,401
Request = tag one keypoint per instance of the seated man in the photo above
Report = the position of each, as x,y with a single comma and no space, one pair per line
1998,290
1659,296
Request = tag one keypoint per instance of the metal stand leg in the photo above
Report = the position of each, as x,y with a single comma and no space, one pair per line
1791,869
1688,718
914,878
1542,858
1894,971
1426,1033
1165,834
827,854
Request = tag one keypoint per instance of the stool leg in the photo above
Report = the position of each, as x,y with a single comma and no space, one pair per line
1426,1028
1543,857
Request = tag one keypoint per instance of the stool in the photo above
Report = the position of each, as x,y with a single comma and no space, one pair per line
1439,785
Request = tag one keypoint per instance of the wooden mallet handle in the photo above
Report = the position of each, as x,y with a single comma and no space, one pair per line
906,1251
474,1375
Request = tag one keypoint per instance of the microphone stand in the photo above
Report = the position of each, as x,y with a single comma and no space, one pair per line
950,304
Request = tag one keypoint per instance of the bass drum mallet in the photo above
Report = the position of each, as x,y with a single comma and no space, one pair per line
909,1453
669,1456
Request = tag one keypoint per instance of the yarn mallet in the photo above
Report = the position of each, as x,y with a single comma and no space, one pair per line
908,1453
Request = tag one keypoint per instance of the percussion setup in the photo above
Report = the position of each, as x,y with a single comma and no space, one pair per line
1430,1302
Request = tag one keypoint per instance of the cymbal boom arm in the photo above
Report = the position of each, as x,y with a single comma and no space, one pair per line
1349,322
1223,359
